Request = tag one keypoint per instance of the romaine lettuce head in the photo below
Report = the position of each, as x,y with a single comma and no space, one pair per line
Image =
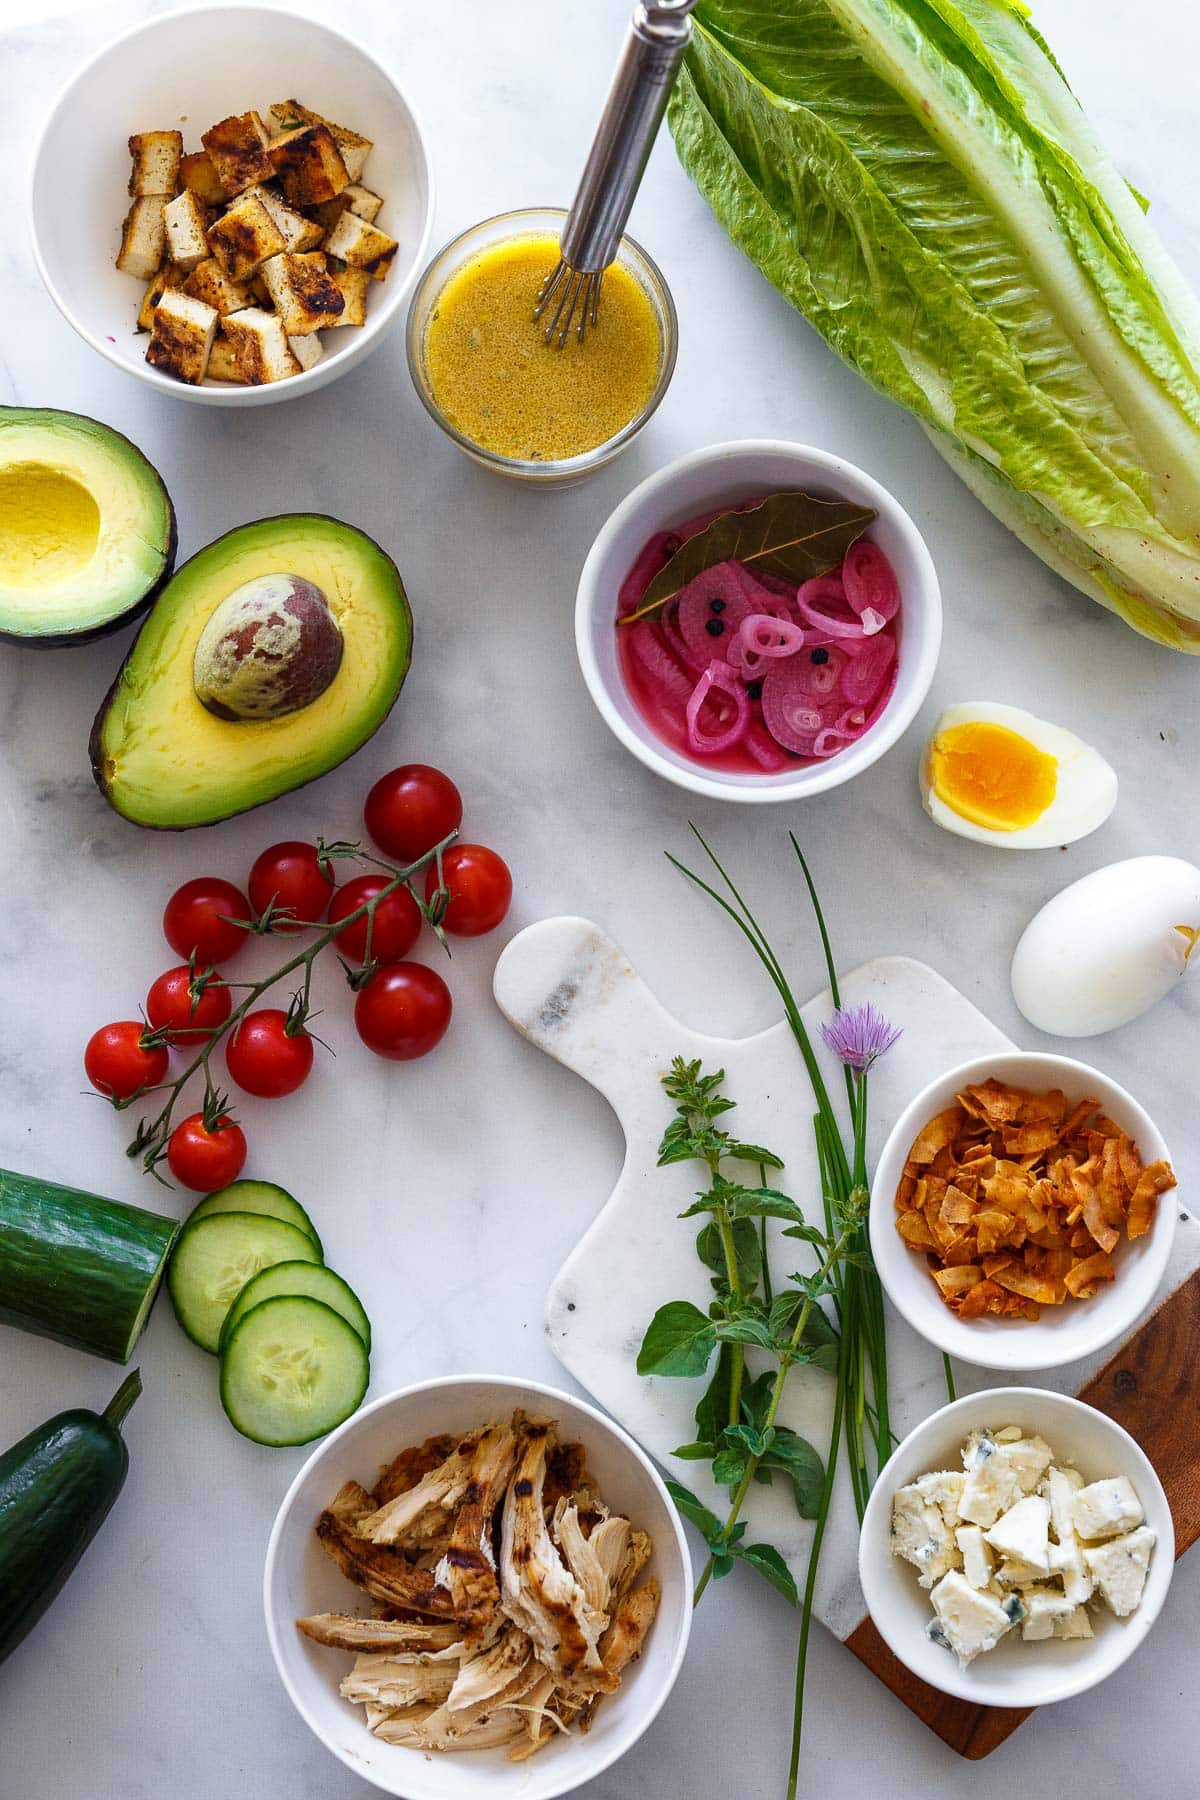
918,179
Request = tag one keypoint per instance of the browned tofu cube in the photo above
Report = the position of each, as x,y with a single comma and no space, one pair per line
256,287
299,233
198,174
308,166
352,284
238,149
223,364
307,351
184,222
303,292
286,115
182,337
143,238
244,237
353,199
168,277
362,246
260,345
209,282
156,159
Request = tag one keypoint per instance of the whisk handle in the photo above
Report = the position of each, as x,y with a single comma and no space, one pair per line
654,46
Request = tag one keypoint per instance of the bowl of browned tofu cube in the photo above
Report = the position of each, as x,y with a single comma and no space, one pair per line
223,244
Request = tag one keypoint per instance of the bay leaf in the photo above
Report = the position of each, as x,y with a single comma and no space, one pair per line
793,536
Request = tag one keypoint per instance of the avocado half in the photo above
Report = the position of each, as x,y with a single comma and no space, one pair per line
163,760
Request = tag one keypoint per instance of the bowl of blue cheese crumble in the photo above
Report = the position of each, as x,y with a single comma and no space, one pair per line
1017,1548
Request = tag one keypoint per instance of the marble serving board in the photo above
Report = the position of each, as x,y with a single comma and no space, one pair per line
567,988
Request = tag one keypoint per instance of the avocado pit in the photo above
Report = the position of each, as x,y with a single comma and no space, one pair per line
270,648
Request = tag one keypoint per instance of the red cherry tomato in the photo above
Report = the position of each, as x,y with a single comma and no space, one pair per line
411,809
196,920
263,1059
396,927
403,1011
187,1011
290,875
117,1062
480,889
204,1159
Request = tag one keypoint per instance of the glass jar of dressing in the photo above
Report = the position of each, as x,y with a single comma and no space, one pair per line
482,368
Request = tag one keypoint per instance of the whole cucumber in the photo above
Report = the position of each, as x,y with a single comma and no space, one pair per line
56,1487
77,1267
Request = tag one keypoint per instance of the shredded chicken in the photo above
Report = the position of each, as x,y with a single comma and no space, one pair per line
504,1592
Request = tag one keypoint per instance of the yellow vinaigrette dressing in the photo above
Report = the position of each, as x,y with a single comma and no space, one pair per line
499,384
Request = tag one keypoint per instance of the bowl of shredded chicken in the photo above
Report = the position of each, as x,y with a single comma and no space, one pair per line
492,1576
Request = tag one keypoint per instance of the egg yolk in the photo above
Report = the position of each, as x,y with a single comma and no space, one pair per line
992,776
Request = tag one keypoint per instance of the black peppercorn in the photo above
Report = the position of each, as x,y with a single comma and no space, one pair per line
714,628
717,606
754,690
820,655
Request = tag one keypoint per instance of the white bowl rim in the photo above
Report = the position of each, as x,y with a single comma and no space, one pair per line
935,1322
295,384
814,779
522,1384
958,1681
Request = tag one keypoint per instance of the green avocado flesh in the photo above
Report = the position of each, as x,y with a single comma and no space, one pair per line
87,529
163,760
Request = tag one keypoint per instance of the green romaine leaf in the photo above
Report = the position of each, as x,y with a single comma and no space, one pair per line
679,1341
917,178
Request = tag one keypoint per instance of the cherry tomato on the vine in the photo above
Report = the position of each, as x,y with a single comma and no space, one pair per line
197,920
290,876
397,922
204,1159
263,1058
403,1011
411,809
187,1010
118,1062
480,889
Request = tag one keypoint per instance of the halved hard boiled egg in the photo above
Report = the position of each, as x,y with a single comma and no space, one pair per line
998,775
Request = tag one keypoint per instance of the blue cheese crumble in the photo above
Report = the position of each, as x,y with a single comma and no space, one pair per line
1018,1540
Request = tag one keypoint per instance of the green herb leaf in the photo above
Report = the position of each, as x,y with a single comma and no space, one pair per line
771,1566
793,536
694,1452
678,1341
746,1248
729,1464
756,1398
743,1331
795,1457
767,1203
753,1153
696,1513
712,1409
757,1441
809,1234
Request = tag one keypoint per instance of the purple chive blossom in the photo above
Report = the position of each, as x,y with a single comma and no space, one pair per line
858,1035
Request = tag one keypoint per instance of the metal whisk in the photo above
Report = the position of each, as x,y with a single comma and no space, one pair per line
657,38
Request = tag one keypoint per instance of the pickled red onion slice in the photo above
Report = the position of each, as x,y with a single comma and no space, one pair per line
837,620
864,675
762,637
710,609
721,677
656,661
870,582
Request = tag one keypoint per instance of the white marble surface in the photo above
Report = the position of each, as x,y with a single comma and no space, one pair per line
451,1191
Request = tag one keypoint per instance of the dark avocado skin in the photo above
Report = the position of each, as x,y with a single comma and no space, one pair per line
95,752
56,1487
58,640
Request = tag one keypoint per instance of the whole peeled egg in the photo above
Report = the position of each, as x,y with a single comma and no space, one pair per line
1108,947
1001,776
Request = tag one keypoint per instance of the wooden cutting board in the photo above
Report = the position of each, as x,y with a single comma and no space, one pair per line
567,988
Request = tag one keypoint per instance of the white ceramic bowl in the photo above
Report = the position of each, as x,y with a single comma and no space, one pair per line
722,475
1062,1334
188,70
1014,1673
300,1579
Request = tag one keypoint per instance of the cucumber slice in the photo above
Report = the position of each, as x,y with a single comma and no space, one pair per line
264,1197
312,1279
216,1257
291,1370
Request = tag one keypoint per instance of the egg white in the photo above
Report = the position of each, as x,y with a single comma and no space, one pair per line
1085,794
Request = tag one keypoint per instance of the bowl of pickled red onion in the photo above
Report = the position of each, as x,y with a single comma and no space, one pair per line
748,683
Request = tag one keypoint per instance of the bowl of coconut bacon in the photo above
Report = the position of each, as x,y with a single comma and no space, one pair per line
478,1586
480,362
